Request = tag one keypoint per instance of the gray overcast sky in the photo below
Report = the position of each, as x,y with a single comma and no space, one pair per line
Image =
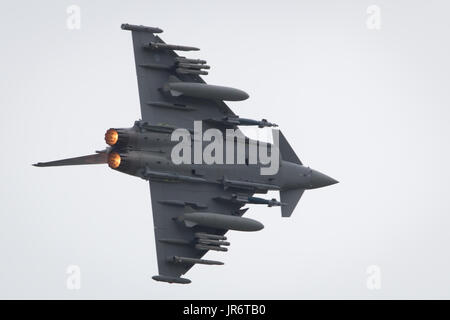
368,107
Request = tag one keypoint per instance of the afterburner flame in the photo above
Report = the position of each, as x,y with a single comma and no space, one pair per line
111,137
114,160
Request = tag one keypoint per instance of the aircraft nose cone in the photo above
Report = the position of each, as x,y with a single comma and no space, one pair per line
319,180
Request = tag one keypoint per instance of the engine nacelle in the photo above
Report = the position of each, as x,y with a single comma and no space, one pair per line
136,162
127,162
119,137
135,139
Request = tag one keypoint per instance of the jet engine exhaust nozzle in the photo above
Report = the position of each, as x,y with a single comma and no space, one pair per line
111,137
114,160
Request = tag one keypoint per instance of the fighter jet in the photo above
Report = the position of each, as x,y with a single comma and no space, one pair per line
194,203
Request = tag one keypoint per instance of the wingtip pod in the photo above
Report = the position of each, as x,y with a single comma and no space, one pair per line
168,279
132,27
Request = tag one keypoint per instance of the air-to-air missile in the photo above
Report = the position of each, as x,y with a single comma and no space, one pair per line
191,71
180,203
193,65
176,259
165,46
269,202
213,242
202,235
255,186
148,174
237,121
187,60
244,199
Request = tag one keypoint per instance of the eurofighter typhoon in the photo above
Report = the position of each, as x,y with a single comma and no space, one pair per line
201,168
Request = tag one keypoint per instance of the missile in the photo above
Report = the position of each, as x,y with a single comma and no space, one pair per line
234,198
149,174
261,124
156,66
187,260
244,199
193,66
205,91
214,248
201,235
166,46
186,60
220,221
180,203
263,187
226,121
213,242
191,71
236,121
269,202
144,125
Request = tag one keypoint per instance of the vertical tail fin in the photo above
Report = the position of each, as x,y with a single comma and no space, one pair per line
290,198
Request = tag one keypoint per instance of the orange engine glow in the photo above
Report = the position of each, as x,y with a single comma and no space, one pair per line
114,160
111,137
